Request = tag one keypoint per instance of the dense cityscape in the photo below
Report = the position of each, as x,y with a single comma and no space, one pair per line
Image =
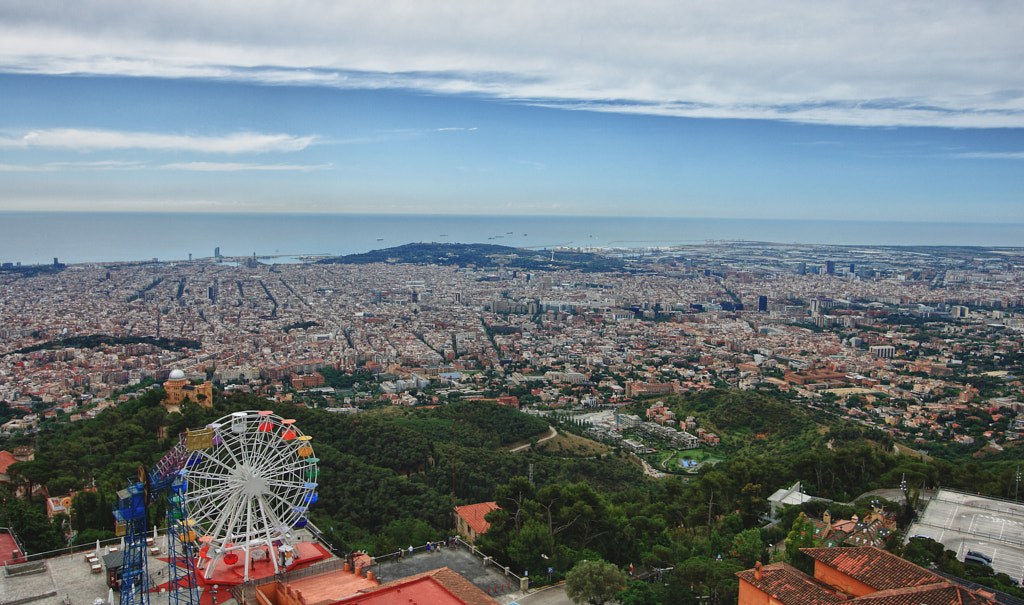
725,370
902,338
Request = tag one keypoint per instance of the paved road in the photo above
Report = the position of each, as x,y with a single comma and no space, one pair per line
547,596
552,433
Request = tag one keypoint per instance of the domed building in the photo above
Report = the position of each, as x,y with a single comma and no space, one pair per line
179,389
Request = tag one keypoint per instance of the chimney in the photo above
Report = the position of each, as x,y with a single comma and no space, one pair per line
370,576
758,574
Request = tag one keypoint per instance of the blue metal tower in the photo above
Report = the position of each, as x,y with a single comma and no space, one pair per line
181,546
130,513
166,478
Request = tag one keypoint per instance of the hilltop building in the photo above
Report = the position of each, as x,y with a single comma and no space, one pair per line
179,389
470,522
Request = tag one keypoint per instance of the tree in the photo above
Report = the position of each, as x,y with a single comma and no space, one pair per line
639,593
749,545
801,536
594,582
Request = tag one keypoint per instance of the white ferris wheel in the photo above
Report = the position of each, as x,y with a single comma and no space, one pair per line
249,489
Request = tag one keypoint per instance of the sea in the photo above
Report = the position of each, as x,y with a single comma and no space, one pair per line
103,237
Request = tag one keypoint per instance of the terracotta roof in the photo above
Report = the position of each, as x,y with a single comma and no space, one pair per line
787,585
473,514
873,566
936,594
790,586
6,459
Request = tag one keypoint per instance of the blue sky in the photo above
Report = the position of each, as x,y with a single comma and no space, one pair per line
847,110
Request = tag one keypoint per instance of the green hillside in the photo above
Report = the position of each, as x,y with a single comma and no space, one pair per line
482,255
389,477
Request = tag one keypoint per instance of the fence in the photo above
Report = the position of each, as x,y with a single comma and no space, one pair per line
70,550
246,592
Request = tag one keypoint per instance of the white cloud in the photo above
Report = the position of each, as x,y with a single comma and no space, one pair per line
862,62
98,140
992,155
238,167
26,168
54,166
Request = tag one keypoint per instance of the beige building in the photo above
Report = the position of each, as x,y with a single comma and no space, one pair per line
179,389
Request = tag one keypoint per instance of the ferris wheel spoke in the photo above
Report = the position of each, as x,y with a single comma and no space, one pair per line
275,521
286,483
288,469
225,516
288,505
211,458
265,446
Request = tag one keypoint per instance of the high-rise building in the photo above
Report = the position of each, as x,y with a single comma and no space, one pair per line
830,267
762,304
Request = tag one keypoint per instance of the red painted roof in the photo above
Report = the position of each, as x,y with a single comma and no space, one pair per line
438,587
473,514
7,549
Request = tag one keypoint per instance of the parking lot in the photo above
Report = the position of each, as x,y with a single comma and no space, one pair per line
965,522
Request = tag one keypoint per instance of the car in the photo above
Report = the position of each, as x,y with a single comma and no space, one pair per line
974,557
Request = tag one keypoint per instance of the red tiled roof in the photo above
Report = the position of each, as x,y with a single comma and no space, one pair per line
6,459
791,586
873,566
940,594
473,515
787,585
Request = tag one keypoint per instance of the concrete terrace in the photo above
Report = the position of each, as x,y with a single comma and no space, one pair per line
487,576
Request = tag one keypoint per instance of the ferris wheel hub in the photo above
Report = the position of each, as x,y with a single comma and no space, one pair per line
252,484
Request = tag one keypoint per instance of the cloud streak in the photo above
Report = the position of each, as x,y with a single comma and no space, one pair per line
866,62
991,155
240,167
102,140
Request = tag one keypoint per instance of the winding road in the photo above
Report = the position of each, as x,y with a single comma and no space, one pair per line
552,433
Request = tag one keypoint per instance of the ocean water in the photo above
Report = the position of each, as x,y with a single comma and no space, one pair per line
38,237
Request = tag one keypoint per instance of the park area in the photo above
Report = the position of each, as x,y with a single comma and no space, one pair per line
688,461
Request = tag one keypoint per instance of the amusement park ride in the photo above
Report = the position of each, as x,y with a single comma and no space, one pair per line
236,491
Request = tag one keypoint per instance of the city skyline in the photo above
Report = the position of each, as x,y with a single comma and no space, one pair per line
906,112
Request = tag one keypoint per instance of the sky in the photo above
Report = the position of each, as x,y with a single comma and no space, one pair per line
797,109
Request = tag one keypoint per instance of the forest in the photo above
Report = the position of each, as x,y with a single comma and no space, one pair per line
389,477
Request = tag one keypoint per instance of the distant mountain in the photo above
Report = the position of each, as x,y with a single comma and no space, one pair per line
483,255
